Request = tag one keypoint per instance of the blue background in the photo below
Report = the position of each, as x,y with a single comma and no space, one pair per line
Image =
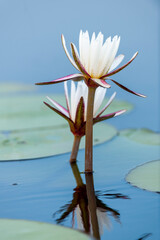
31,49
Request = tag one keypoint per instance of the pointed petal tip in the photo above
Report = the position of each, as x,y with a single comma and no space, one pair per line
127,89
120,112
135,55
141,95
62,38
49,98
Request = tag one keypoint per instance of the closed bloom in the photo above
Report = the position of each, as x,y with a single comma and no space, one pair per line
76,110
96,61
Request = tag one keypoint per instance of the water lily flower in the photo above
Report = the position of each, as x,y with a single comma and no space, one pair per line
76,110
96,61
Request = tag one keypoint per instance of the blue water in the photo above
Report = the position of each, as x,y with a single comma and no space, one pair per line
36,189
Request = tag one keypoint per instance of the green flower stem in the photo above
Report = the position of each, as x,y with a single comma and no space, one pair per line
75,148
89,131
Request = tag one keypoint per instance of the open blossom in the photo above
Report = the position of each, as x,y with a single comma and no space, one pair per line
76,110
96,61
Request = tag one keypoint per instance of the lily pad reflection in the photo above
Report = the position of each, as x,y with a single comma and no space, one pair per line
146,176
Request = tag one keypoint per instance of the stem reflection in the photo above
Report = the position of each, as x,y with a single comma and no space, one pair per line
89,212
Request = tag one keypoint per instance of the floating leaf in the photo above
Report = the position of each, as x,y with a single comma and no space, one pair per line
146,176
30,230
23,112
142,135
42,142
26,112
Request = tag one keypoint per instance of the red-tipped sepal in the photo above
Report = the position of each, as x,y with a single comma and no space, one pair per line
74,77
110,115
127,89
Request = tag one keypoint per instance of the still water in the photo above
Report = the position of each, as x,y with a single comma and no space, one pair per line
50,190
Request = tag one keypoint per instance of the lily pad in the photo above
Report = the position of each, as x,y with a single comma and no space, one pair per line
146,176
24,112
142,135
30,230
48,141
15,87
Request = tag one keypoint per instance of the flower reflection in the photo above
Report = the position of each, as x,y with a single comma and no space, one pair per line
144,236
89,212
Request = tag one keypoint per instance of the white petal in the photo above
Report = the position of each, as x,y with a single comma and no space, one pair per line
78,94
85,97
116,62
58,106
67,97
84,47
95,50
99,96
113,52
105,53
67,53
120,68
73,92
107,105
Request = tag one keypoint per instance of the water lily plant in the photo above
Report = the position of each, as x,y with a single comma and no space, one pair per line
76,111
96,62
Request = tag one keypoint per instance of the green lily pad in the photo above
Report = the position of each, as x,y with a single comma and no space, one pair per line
142,135
15,87
146,176
48,141
29,230
24,112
